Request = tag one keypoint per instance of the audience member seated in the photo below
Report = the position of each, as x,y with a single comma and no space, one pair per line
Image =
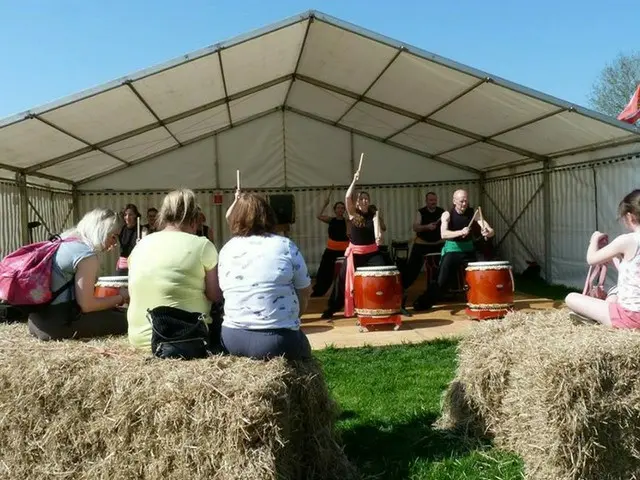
265,284
172,268
622,309
75,312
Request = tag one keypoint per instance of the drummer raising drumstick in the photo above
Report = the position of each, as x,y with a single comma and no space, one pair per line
458,246
362,250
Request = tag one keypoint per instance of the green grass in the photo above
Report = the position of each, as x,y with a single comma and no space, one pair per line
390,397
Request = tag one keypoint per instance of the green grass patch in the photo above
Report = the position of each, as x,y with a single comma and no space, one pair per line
390,397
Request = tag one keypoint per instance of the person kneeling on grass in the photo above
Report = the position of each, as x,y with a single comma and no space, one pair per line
265,284
623,309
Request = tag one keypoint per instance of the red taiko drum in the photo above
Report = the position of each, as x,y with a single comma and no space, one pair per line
490,291
110,286
378,295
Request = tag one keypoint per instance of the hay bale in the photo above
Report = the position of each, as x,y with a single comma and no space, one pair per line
101,410
564,397
472,404
574,411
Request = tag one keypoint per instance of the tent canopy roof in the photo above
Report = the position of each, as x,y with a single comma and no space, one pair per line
318,66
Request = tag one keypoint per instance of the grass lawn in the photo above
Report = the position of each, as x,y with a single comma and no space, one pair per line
390,397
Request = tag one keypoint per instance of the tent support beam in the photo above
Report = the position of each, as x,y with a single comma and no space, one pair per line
21,181
224,86
151,111
415,116
507,130
379,139
522,212
75,137
75,199
219,210
295,69
524,245
13,169
284,149
152,126
352,144
438,108
175,147
371,85
547,212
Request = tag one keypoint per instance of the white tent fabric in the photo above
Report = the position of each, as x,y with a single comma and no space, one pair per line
293,105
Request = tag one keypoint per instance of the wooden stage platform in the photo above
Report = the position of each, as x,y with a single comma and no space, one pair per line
445,320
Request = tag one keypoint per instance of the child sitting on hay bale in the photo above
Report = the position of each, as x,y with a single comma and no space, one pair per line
623,310
266,285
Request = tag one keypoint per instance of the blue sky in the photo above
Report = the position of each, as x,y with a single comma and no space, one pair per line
53,48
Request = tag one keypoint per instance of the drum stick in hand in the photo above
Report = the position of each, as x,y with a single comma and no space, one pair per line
473,219
481,220
360,164
238,179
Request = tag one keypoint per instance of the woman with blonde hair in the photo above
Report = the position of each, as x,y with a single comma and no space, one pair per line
265,283
172,268
76,312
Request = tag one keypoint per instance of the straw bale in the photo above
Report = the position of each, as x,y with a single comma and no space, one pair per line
99,409
564,397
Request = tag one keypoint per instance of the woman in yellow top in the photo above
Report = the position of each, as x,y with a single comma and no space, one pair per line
172,268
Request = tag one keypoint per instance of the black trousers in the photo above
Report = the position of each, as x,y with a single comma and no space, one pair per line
324,276
416,262
375,259
450,263
66,320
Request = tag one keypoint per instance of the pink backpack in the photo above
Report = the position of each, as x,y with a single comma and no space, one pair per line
25,275
596,291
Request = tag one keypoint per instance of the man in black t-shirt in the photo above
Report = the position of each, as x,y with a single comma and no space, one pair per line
426,224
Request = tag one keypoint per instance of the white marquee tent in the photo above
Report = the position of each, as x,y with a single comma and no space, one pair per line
292,106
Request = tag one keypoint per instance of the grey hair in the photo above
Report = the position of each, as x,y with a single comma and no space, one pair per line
96,227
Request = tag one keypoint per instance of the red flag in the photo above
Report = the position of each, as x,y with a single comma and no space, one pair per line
631,113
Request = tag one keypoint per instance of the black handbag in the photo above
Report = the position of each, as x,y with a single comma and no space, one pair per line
177,333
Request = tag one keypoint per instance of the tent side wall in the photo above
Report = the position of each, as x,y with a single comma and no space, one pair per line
398,203
583,197
52,207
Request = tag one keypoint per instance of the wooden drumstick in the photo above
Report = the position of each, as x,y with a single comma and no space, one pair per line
138,229
360,164
238,179
473,219
481,220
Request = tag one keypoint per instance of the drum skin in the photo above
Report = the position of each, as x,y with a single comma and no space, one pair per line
377,293
490,291
110,286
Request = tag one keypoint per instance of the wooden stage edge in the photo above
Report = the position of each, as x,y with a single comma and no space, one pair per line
442,321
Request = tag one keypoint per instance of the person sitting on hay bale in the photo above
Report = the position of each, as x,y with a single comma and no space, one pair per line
623,309
76,312
265,283
172,268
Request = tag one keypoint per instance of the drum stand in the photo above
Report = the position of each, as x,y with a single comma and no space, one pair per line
366,320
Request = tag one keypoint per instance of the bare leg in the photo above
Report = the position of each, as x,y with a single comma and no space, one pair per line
589,307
